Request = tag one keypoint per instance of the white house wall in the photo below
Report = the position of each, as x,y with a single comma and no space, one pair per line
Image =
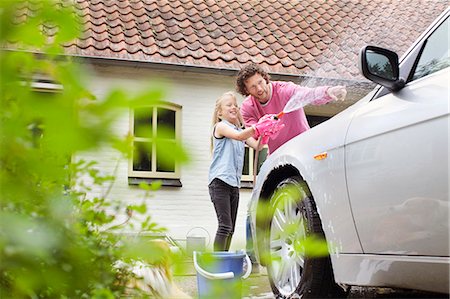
179,209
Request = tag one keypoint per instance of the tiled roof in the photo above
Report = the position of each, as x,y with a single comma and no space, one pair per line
309,37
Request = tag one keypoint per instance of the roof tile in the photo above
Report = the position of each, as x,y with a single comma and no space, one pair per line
285,36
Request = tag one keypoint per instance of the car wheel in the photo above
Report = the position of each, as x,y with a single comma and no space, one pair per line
293,218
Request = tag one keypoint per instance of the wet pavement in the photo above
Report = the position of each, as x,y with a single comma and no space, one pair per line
257,286
253,287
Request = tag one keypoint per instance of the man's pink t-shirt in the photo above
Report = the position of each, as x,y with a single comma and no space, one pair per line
295,122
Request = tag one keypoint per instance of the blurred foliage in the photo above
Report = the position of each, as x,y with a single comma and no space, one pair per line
286,212
55,241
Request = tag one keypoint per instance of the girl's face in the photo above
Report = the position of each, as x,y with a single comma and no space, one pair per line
229,110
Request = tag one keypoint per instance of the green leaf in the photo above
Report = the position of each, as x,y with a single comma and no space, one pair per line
156,185
312,246
144,186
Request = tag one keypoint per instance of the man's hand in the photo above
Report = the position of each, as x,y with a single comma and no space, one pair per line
338,93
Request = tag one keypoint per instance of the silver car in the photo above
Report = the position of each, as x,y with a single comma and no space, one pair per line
372,182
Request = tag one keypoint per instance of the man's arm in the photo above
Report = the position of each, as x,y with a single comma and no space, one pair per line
314,96
249,114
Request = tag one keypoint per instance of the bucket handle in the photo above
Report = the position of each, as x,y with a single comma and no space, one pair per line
224,275
249,267
209,275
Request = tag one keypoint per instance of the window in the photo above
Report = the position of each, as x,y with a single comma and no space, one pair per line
314,120
42,91
435,53
155,129
248,170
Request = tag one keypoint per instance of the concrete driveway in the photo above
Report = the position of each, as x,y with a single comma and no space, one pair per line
258,287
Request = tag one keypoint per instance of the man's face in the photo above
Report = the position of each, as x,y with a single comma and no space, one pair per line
257,86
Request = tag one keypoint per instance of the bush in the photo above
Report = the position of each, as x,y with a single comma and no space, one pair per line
54,241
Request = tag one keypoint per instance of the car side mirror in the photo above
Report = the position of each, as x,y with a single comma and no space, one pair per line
381,66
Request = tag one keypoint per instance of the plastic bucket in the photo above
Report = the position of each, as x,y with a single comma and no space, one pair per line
220,274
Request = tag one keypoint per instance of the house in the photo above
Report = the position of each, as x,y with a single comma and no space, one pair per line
197,47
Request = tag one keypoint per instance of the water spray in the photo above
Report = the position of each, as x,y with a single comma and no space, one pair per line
298,100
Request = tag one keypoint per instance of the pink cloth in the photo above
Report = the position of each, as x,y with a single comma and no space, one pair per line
295,121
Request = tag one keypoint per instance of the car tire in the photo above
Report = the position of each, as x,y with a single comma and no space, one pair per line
291,274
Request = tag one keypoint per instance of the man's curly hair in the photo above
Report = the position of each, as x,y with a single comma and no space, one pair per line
247,72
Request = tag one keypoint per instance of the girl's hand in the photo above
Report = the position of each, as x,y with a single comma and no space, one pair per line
272,133
267,116
264,124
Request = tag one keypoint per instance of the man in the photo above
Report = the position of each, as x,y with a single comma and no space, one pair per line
270,97
265,98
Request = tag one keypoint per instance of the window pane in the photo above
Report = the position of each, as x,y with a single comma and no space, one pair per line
165,161
246,168
435,55
262,156
143,118
166,123
314,120
142,156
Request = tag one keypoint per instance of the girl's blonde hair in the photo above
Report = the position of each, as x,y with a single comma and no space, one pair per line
219,101
217,107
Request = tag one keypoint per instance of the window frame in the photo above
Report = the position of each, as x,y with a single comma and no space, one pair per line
409,59
423,47
248,178
135,175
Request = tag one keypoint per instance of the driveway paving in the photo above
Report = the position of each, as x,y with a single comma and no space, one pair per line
258,287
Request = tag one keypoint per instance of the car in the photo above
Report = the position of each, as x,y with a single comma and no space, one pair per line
372,182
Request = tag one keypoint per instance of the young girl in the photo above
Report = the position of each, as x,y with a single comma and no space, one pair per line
228,158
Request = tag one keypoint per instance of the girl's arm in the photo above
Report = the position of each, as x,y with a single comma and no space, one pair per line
223,130
252,142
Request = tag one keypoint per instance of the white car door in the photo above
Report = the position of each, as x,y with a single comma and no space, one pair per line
397,164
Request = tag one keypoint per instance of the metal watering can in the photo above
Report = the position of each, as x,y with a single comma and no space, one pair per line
196,242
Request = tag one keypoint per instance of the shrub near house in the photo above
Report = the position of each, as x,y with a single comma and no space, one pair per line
51,239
